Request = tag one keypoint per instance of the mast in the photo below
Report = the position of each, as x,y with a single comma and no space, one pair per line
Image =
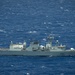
50,39
24,45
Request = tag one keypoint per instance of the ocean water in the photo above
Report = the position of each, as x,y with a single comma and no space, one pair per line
21,65
34,20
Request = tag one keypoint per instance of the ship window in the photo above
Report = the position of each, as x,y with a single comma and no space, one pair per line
36,42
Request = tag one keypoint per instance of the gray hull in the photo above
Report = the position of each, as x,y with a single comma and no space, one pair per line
38,53
35,49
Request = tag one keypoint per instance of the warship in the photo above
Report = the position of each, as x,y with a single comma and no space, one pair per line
35,49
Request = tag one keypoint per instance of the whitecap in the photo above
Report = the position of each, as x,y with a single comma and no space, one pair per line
34,31
44,22
46,15
62,25
46,33
42,66
66,10
31,32
62,74
13,13
28,74
71,22
47,27
49,22
61,7
59,36
44,39
12,65
2,31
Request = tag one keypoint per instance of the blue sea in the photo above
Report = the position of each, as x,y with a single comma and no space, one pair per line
28,20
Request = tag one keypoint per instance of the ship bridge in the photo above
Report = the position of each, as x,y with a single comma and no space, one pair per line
17,47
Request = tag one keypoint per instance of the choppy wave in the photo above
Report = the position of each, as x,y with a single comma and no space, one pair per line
2,31
32,32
